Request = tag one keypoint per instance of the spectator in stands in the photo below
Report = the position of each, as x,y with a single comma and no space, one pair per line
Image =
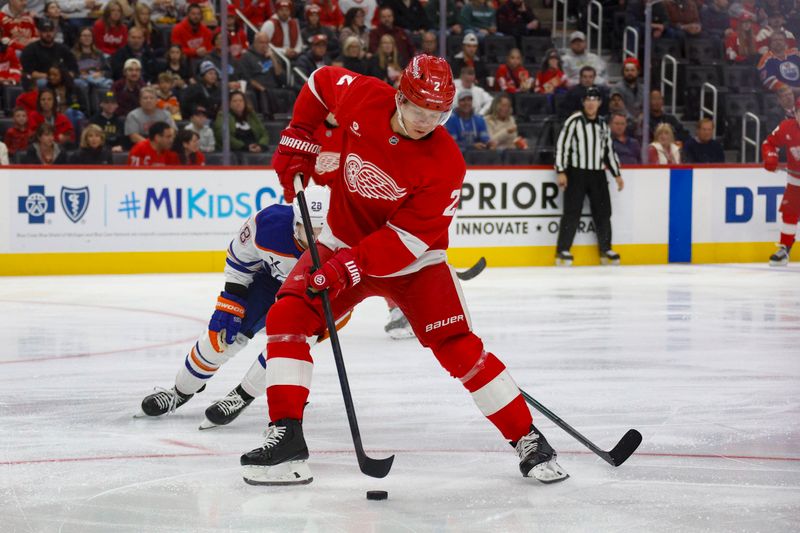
18,135
44,150
715,20
237,37
467,128
256,11
156,149
453,12
138,121
577,57
113,126
40,55
30,95
178,66
551,78
774,23
385,55
616,104
206,92
247,132
516,19
314,27
93,67
409,14
628,149
405,48
67,100
574,99
262,72
187,146
316,56
283,30
198,123
3,154
47,112
163,11
352,56
631,88
430,44
191,34
110,31
331,15
741,45
478,17
370,8
503,133
64,31
92,150
778,113
703,147
663,150
10,67
126,90
136,48
215,57
165,93
780,66
635,16
153,38
684,16
658,116
18,24
511,76
354,26
468,57
81,13
481,99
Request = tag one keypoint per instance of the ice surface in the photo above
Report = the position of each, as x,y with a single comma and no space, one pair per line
703,360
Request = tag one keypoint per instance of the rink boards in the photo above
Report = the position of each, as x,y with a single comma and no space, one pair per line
70,220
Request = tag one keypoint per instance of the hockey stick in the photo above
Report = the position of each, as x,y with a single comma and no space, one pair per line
624,448
472,271
369,466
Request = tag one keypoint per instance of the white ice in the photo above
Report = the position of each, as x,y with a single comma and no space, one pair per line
703,360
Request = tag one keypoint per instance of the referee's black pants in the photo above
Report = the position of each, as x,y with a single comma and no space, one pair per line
581,183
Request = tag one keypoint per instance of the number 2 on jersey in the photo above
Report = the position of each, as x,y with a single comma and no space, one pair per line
451,209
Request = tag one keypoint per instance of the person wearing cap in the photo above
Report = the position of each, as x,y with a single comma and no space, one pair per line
199,123
468,129
136,48
405,48
631,88
126,89
551,78
316,56
468,57
39,56
206,92
113,126
577,57
313,27
584,150
283,30
18,24
191,34
410,15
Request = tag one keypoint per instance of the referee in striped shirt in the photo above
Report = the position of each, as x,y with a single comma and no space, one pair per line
583,151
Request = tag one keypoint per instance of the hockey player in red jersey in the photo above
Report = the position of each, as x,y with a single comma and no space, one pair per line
392,201
787,136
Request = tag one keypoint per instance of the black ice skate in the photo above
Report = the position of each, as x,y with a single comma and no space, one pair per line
163,401
781,257
537,459
609,257
225,411
564,259
398,326
282,459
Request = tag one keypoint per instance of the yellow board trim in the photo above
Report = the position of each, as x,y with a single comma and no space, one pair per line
736,252
110,263
520,256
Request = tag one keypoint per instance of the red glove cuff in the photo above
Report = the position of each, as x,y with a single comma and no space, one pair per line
771,161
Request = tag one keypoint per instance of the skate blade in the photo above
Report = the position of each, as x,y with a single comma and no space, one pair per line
549,472
778,263
400,334
563,263
207,424
288,473
609,262
142,414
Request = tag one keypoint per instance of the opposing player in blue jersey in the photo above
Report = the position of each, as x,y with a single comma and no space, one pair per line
259,259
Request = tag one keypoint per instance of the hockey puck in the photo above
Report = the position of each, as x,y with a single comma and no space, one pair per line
377,495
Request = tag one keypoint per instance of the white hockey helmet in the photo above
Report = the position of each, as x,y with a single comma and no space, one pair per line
318,200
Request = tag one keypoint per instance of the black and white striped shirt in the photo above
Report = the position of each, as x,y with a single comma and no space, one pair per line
585,144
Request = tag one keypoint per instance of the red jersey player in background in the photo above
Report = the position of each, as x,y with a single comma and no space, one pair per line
156,150
786,135
392,201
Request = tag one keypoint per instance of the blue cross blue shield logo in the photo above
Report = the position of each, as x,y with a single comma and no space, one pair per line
36,204
75,202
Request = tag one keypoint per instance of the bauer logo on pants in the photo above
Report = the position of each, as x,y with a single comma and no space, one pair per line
442,323
75,202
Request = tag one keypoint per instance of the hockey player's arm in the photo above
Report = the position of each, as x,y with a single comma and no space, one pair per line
563,144
242,261
769,148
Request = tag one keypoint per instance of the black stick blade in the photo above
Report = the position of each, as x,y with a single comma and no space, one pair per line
375,467
472,271
625,447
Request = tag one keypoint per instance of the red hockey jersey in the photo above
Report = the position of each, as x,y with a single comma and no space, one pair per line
786,135
392,198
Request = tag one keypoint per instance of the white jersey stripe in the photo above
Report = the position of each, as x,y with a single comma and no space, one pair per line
415,245
313,87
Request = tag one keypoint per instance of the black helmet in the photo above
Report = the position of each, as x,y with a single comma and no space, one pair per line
593,92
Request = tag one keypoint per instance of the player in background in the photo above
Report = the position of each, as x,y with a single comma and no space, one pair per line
392,201
787,136
259,259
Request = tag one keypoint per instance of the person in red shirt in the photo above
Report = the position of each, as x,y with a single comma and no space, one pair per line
786,136
156,150
19,26
551,78
283,30
18,136
392,201
10,68
237,37
191,34
330,14
511,76
187,148
46,111
110,31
